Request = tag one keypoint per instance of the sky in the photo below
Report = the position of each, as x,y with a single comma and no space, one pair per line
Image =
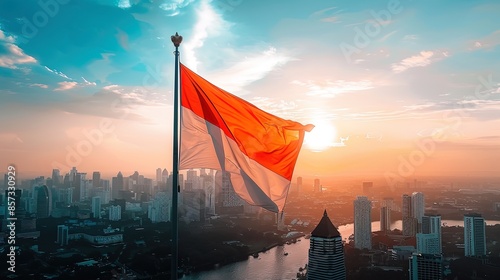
396,89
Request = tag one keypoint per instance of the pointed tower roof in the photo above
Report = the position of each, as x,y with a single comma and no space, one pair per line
325,228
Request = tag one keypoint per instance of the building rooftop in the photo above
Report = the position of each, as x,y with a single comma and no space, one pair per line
325,228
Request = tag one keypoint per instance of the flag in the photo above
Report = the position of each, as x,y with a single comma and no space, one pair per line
221,131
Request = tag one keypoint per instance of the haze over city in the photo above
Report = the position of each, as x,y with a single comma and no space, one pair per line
398,179
387,84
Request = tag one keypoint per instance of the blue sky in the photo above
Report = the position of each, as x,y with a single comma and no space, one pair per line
376,77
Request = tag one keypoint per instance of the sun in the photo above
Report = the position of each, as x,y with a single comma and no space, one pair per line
321,137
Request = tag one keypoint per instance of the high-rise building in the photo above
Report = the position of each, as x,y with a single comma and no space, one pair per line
104,192
385,219
428,243
72,174
317,185
426,266
385,215
193,206
474,235
164,175
159,210
43,206
299,185
56,177
410,223
85,190
362,223
158,175
62,235
115,212
227,200
96,179
96,207
418,206
117,185
80,186
66,196
326,252
430,238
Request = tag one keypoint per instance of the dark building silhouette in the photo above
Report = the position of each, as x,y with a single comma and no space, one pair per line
326,252
117,185
96,179
42,202
56,178
227,201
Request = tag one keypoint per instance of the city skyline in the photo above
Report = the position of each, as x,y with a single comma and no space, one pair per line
142,205
381,83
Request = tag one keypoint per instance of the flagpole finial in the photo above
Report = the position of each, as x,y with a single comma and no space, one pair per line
176,39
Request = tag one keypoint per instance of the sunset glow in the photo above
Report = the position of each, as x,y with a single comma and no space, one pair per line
92,86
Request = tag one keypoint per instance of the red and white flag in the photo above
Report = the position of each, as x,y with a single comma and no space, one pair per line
221,131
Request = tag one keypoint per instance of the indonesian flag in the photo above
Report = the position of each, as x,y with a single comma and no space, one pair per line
221,131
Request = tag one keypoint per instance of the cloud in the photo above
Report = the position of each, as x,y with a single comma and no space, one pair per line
487,42
327,15
208,23
331,19
88,83
174,7
250,69
39,85
60,74
66,85
11,55
5,38
333,88
410,37
124,4
423,59
112,101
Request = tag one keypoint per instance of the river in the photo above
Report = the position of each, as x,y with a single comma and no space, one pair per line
275,265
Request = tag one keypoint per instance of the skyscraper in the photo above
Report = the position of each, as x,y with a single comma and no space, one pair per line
159,210
62,235
164,175
117,185
409,222
43,206
426,266
227,200
96,207
326,252
429,241
193,206
96,179
76,184
474,235
317,185
418,206
385,219
362,223
56,177
158,175
385,215
115,212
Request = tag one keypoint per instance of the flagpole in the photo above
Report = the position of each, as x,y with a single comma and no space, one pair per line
176,40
